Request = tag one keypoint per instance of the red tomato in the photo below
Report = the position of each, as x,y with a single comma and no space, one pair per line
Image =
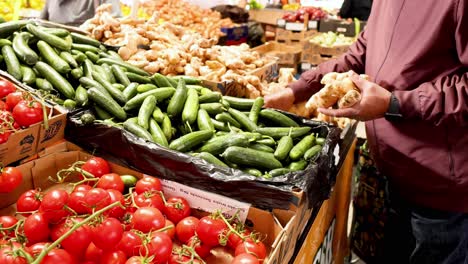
93,253
170,231
96,166
107,234
58,256
53,205
234,240
82,188
203,250
138,260
130,244
186,227
4,136
148,183
178,259
6,88
75,202
10,179
177,208
113,257
37,248
13,99
7,221
111,181
3,106
209,230
36,228
117,211
7,255
29,201
96,199
146,219
78,241
27,113
150,199
245,258
160,247
251,247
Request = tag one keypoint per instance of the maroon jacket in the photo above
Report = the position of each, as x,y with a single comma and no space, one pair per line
418,49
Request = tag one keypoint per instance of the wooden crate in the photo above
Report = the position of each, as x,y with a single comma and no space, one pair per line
292,37
286,54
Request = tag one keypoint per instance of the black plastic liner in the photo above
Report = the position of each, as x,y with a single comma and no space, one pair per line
125,148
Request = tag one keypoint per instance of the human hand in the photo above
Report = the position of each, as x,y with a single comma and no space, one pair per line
283,100
373,104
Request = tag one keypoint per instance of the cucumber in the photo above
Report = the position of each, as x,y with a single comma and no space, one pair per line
77,73
146,109
1,58
267,141
12,62
278,132
191,140
120,76
92,56
157,133
187,79
261,147
239,103
107,103
243,120
190,111
51,39
79,56
67,57
285,144
59,83
87,119
142,88
192,86
220,125
101,113
278,172
217,145
204,120
108,71
213,97
251,158
81,96
104,55
52,58
205,91
137,130
158,114
298,165
85,47
173,82
127,66
7,28
298,151
119,86
114,55
160,94
59,32
161,80
69,104
29,77
177,102
82,39
44,85
212,108
88,68
129,180
225,103
256,108
278,118
133,77
114,92
167,127
5,42
227,118
312,152
90,83
22,49
211,159
253,172
130,91
320,141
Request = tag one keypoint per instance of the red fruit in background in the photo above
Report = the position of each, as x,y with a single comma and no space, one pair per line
93,253
58,256
4,136
53,205
10,179
7,221
96,166
13,99
234,240
202,249
75,202
146,219
3,106
29,201
96,199
186,227
78,241
36,228
245,259
117,211
148,183
113,257
130,244
252,247
8,256
150,199
107,234
27,113
6,88
160,247
37,248
170,231
111,181
209,230
176,209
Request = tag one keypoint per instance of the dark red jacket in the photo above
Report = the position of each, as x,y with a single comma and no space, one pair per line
418,49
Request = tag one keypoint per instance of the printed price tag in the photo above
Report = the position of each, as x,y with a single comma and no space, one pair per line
206,201
281,22
295,26
341,29
313,24
306,66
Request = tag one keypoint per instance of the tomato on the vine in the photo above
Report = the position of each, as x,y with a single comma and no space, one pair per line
6,222
78,241
177,259
53,205
203,250
186,227
170,229
96,199
75,202
27,113
6,88
10,179
150,199
148,183
93,253
4,136
160,247
111,181
107,234
146,219
117,211
113,257
28,202
256,248
234,240
8,256
82,188
245,258
130,243
37,248
176,209
3,106
96,166
138,260
210,230
36,228
13,99
57,255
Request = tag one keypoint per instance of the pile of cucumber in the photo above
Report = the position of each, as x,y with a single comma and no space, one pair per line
180,114
62,64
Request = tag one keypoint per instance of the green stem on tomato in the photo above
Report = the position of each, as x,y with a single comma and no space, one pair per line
73,229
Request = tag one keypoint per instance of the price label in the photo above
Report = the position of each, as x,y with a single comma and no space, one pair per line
295,26
306,66
341,29
313,24
281,22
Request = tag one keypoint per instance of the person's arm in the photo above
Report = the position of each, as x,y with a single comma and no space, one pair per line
445,100
353,59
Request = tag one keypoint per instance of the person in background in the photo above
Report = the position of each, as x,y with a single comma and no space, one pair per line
75,12
359,9
416,113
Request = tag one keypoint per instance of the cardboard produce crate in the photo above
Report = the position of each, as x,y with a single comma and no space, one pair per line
286,54
292,37
278,227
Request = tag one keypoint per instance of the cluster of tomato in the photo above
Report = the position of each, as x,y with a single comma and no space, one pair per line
99,222
314,13
17,110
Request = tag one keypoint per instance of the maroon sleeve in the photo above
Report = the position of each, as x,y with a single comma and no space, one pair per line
445,100
353,59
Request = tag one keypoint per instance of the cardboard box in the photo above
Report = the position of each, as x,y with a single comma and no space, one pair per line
286,54
277,227
236,35
291,37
